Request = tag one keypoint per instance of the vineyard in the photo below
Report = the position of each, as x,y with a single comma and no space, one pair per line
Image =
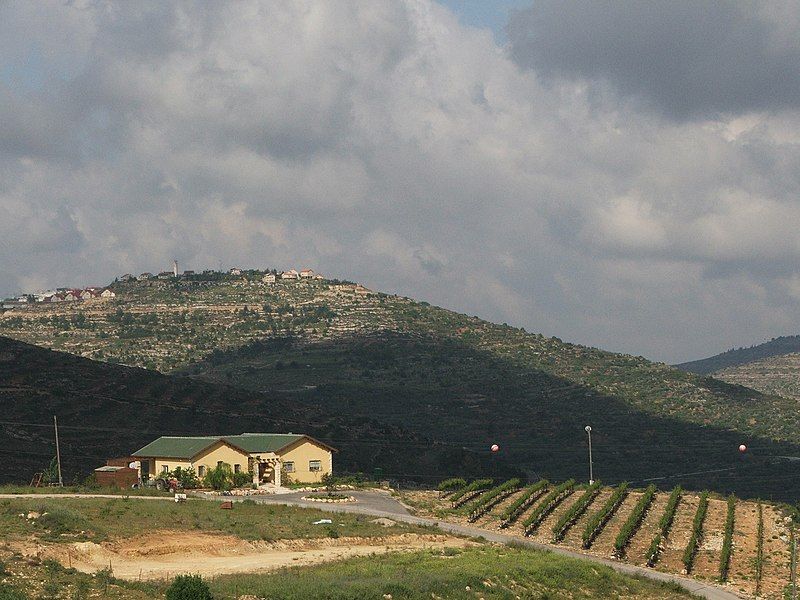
730,542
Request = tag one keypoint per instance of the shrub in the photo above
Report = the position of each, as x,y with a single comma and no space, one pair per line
727,542
186,477
243,478
575,511
697,533
599,519
490,498
529,495
188,587
452,484
466,494
61,520
634,521
8,592
664,525
548,505
219,478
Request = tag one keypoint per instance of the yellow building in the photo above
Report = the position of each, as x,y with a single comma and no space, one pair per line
264,455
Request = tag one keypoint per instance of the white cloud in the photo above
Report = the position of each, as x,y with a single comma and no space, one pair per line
387,143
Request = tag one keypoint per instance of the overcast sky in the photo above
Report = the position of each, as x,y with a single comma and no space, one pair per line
625,175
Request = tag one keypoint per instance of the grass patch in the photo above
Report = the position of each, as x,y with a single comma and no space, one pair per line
486,572
101,519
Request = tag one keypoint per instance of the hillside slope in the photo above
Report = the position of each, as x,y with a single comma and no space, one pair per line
108,410
779,375
740,356
340,349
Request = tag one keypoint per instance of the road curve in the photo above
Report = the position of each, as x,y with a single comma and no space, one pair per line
391,509
705,590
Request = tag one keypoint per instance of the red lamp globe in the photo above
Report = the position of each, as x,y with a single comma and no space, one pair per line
495,448
742,448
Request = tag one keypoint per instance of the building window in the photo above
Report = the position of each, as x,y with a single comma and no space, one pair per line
165,468
237,468
289,466
219,464
315,465
201,471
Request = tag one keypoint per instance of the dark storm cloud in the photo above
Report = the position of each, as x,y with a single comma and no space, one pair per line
688,58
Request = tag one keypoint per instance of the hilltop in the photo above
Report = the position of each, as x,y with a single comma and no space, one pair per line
337,348
734,357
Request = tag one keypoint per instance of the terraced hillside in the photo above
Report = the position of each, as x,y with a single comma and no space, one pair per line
777,375
336,348
758,564
109,410
771,368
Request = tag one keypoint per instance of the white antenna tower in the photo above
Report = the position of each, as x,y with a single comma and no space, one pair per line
175,267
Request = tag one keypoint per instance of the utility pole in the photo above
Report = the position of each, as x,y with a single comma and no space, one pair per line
588,430
58,453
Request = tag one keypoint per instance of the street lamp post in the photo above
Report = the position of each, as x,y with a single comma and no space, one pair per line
588,430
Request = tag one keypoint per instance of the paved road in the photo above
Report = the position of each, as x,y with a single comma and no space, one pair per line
381,504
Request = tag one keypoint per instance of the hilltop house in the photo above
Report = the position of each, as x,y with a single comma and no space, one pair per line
306,274
126,277
235,271
264,455
166,275
290,274
144,276
269,278
107,293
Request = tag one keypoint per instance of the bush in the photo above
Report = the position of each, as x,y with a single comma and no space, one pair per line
243,479
634,521
186,477
61,520
697,533
188,587
529,495
467,493
664,525
727,542
219,478
490,498
575,511
599,519
8,592
452,484
548,505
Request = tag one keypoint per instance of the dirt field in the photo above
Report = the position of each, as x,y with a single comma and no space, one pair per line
164,554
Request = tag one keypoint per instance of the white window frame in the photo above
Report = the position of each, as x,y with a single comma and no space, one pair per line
165,468
289,466
315,467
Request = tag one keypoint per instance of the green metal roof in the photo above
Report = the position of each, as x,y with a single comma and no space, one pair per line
187,447
263,442
176,447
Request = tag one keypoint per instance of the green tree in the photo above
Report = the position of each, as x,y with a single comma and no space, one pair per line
220,477
188,587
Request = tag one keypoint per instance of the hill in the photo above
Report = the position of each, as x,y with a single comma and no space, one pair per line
338,349
779,375
108,410
734,357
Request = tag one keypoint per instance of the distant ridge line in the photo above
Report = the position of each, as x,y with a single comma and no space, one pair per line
731,358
